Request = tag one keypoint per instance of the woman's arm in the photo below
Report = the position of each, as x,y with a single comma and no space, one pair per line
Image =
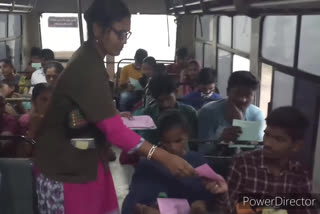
119,135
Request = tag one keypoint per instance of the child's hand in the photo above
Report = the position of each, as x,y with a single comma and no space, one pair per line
216,187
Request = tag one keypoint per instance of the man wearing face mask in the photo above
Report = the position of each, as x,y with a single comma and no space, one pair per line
206,90
38,76
215,119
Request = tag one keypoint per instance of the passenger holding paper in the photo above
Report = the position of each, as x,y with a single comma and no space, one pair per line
151,178
216,118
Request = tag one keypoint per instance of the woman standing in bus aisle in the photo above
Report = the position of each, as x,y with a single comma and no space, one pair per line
71,177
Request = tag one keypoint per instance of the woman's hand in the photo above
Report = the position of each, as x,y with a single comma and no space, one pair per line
216,187
178,166
143,209
126,115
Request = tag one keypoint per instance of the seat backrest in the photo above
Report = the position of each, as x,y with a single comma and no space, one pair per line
17,187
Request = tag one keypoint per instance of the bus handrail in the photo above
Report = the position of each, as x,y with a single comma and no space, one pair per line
18,137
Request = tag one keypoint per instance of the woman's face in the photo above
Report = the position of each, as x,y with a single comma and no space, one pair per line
51,76
7,70
112,40
192,71
175,140
41,102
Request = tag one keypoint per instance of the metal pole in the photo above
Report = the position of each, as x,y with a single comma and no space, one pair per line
80,21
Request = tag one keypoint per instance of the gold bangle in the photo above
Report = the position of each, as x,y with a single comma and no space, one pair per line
151,151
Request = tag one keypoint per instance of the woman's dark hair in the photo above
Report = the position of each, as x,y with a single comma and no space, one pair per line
10,83
207,76
105,13
182,53
290,119
8,62
39,89
54,64
170,119
162,85
243,79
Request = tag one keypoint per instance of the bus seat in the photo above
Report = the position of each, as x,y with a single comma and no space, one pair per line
17,187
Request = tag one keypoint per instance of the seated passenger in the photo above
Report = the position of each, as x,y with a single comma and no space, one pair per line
180,64
150,178
151,69
189,78
52,70
148,69
33,65
8,90
8,71
215,119
206,91
25,80
127,97
41,96
163,90
133,70
272,171
8,127
39,76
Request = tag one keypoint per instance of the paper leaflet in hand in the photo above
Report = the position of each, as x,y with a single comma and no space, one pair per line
205,171
143,122
173,206
250,130
135,83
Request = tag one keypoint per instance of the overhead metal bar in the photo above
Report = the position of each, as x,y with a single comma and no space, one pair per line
80,21
263,7
15,8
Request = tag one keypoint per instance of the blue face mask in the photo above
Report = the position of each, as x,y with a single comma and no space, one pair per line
36,66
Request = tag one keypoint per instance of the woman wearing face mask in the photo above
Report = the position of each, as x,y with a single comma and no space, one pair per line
71,176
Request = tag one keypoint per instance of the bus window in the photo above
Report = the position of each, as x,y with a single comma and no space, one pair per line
61,40
309,52
225,29
150,33
265,87
279,34
283,90
3,25
224,71
240,63
242,33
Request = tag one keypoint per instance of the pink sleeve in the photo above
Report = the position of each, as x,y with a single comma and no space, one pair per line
11,125
118,134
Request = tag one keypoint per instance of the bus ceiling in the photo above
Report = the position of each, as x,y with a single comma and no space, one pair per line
173,7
